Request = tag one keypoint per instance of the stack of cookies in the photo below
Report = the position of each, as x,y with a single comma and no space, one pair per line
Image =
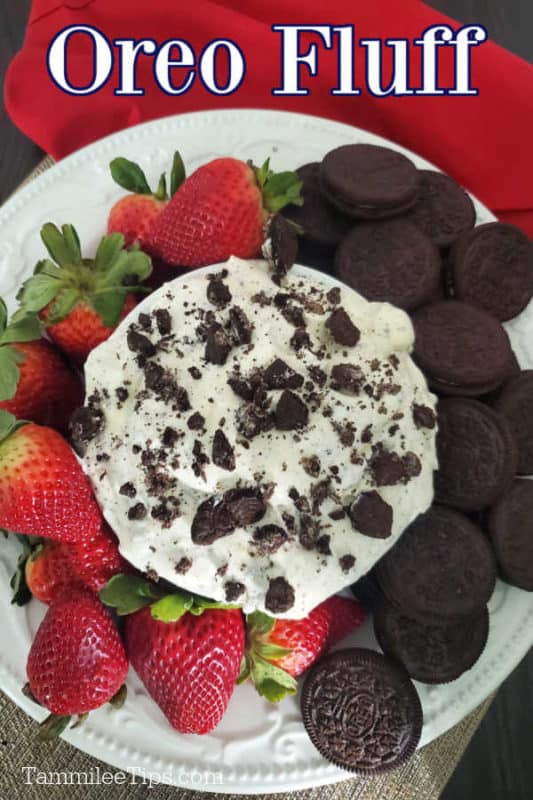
407,236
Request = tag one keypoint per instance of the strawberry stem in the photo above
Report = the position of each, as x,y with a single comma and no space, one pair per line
53,726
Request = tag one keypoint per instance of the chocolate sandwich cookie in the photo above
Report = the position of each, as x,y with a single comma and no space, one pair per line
431,652
367,590
441,569
476,452
510,524
361,711
321,222
492,267
515,403
461,349
390,261
369,182
444,211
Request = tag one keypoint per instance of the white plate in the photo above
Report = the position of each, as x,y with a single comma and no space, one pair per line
258,747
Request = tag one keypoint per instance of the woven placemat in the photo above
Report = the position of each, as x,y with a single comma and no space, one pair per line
29,768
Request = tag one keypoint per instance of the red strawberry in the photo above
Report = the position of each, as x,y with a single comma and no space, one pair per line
92,561
77,660
189,666
82,300
221,210
346,615
187,650
134,215
279,650
43,490
35,382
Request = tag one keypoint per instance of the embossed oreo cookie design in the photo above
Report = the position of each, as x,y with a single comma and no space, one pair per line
248,416
361,711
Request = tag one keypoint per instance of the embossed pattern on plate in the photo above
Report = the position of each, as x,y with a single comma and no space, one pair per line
257,747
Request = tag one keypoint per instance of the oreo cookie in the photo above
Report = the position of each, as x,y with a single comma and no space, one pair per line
367,590
321,223
431,652
444,211
368,181
476,453
460,348
510,525
361,711
492,267
390,261
441,569
515,402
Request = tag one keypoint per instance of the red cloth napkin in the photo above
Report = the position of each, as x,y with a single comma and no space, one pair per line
484,141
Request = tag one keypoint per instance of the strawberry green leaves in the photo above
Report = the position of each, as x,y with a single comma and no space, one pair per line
271,682
278,189
22,328
177,175
8,424
130,176
129,593
69,279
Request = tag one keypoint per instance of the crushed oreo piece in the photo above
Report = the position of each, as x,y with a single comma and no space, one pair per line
300,339
164,385
280,596
322,545
268,539
309,532
371,515
423,416
334,296
163,321
291,412
166,511
121,393
218,293
342,328
246,506
346,433
183,565
223,455
170,437
128,489
253,420
240,326
278,375
317,375
138,343
138,511
218,345
346,562
233,590
212,520
86,422
145,321
337,514
281,244
242,388
196,422
347,378
195,373
311,465
388,468
294,315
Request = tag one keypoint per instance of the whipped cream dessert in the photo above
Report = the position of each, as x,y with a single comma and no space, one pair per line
257,444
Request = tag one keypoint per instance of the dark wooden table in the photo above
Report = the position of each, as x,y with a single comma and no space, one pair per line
498,765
